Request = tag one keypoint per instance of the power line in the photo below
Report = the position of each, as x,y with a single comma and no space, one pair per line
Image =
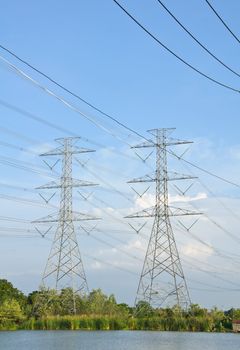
114,247
173,53
42,121
201,241
196,40
204,170
12,219
22,149
27,167
54,126
223,290
16,134
217,252
220,253
212,274
100,110
67,104
62,100
117,248
207,284
68,90
223,22
114,266
26,201
109,264
16,187
230,234
214,195
223,229
31,190
212,267
2,235
122,194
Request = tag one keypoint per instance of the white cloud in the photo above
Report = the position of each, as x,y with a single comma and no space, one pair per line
96,265
134,244
196,250
234,152
186,199
148,199
43,147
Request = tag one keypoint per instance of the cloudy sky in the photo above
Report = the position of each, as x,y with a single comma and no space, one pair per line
93,49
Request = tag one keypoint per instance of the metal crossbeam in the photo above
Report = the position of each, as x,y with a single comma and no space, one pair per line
172,176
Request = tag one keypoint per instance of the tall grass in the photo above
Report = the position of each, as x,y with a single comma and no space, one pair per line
76,323
116,323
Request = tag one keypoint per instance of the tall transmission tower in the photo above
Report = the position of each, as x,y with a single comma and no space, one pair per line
162,282
64,268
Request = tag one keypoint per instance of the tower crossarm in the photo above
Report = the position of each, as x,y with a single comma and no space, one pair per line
59,151
75,216
145,213
72,183
145,144
173,211
172,176
171,142
145,178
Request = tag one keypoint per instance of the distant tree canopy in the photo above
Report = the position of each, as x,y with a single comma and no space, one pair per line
49,309
12,304
49,302
10,311
8,292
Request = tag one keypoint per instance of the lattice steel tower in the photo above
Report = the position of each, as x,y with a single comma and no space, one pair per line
64,267
162,282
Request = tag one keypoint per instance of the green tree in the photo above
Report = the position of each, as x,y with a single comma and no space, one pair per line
124,310
10,312
96,302
143,309
236,314
196,310
8,292
69,301
111,307
45,303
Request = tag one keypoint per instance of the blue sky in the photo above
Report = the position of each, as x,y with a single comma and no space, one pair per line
96,51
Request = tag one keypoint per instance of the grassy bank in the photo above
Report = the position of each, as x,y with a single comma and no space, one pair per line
113,323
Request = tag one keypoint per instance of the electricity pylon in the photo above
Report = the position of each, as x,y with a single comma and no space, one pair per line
162,282
64,268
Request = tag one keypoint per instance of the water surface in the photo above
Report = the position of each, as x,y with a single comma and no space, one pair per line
116,340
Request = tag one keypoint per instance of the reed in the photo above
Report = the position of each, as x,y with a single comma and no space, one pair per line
104,323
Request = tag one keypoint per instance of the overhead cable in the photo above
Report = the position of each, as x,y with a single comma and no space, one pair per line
173,53
196,40
223,22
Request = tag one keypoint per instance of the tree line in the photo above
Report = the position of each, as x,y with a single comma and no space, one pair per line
49,310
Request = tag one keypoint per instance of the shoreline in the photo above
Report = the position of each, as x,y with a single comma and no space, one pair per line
114,331
108,324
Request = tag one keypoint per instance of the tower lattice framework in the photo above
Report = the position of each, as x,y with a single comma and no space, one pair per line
162,282
64,268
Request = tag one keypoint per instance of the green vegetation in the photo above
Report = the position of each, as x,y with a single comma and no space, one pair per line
48,310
